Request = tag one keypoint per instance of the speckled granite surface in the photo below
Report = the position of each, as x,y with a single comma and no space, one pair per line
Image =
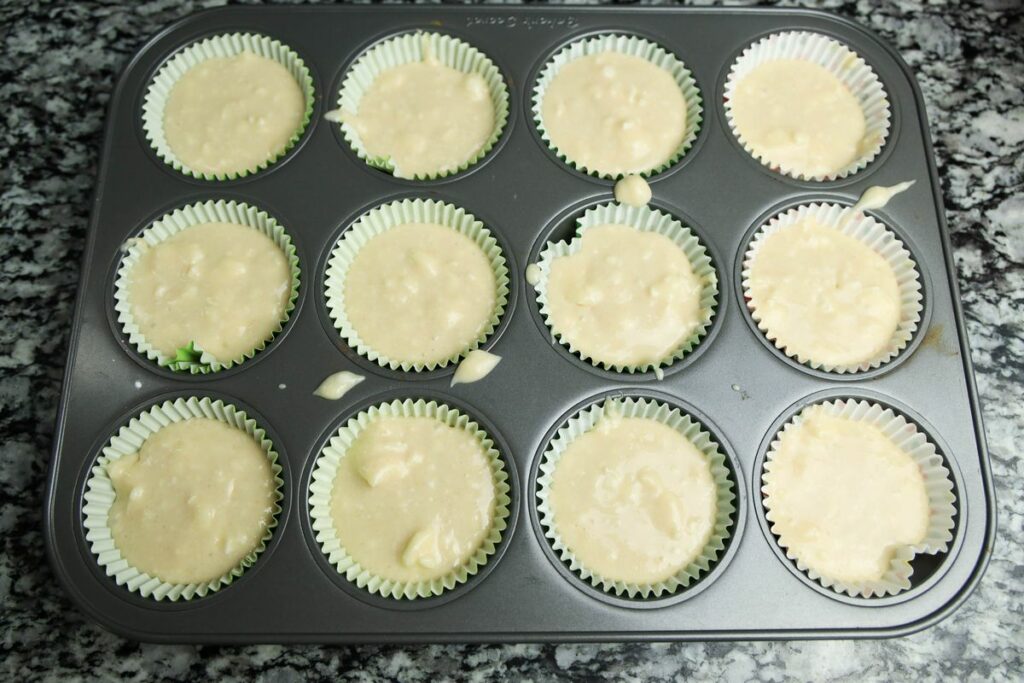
56,75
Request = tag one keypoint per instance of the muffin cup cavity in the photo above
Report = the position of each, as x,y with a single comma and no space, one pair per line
634,46
226,45
839,60
192,358
322,483
938,486
410,48
100,495
644,219
638,407
879,239
391,215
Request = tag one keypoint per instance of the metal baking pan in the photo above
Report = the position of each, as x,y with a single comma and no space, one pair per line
736,383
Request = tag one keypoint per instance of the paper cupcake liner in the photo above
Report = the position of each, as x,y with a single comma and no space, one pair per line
586,420
876,236
645,219
636,47
322,483
226,45
839,60
409,47
938,486
393,214
99,495
193,358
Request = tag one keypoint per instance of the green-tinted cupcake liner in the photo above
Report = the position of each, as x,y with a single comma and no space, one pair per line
645,219
192,358
407,48
226,45
393,214
938,487
636,47
629,407
100,495
322,484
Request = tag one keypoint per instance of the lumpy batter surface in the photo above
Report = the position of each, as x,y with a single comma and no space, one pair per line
221,285
823,295
231,114
420,293
844,497
413,498
614,113
799,116
634,500
194,500
627,297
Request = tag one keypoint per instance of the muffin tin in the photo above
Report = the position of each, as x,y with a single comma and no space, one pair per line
735,382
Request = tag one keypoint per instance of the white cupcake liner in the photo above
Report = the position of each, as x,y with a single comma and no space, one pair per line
874,235
407,48
839,60
587,419
628,45
393,214
226,45
326,470
938,486
100,495
645,219
193,358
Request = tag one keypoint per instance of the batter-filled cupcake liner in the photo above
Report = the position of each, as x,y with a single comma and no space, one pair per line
938,487
645,219
391,215
842,62
415,47
192,358
879,239
100,495
322,484
629,407
227,45
634,46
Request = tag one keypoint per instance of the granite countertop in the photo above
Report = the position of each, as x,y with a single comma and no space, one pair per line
56,75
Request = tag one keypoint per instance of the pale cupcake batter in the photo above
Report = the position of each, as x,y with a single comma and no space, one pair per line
420,293
194,500
627,297
231,114
843,497
633,499
614,113
428,118
633,190
475,366
824,296
413,498
221,285
800,117
337,385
